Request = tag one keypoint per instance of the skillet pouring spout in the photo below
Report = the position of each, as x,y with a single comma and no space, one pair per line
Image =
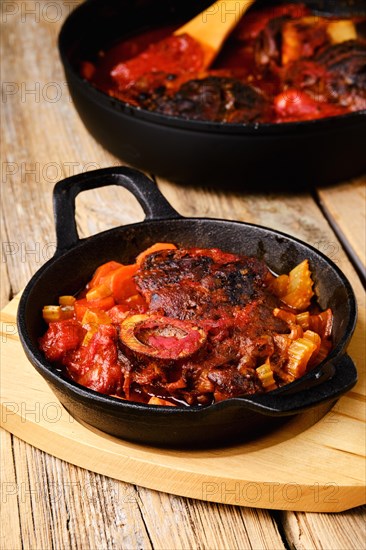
232,419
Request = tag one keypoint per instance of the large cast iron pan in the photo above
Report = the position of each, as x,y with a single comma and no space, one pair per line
242,155
76,259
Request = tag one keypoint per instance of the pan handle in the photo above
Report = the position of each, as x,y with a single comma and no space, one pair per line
341,374
153,203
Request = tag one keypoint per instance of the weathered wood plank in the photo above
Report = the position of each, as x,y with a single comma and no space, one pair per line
5,289
345,531
10,533
186,523
67,507
345,205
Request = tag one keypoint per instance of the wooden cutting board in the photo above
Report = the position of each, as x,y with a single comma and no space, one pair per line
311,464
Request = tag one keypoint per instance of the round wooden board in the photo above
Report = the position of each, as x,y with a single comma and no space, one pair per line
310,464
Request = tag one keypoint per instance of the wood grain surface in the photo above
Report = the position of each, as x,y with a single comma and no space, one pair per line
48,503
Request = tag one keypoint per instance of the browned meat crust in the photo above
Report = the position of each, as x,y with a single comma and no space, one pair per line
337,75
214,98
198,283
227,296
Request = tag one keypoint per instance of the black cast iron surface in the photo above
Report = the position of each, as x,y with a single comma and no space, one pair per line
239,155
75,261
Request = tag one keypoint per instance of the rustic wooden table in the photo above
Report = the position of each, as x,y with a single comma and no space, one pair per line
43,141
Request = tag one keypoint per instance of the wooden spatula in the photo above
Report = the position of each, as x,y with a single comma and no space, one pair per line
212,26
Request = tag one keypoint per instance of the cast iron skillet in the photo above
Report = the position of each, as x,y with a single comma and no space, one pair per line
76,259
272,155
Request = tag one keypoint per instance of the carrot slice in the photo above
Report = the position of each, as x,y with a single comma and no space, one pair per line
102,303
82,305
102,271
121,282
154,248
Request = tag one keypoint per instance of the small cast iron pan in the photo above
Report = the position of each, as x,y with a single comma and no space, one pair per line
74,263
317,152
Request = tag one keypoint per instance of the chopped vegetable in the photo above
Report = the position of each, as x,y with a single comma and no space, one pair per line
98,292
66,301
286,316
301,37
303,319
91,320
57,313
95,317
102,271
265,375
299,352
120,282
322,323
341,30
299,290
82,305
279,285
316,340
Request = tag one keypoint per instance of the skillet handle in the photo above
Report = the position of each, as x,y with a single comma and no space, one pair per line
343,377
153,203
